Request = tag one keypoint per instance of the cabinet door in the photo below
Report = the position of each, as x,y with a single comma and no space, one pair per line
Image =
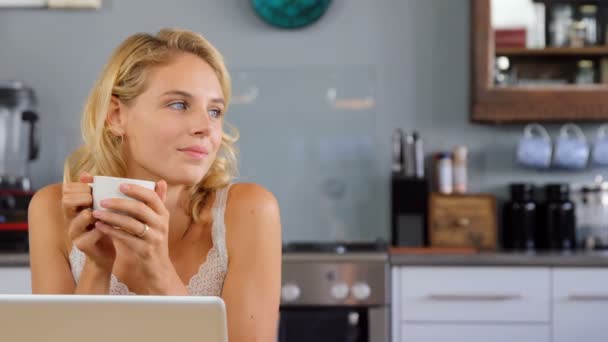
469,294
580,304
15,280
419,332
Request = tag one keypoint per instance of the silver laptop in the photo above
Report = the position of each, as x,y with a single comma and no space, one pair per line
76,318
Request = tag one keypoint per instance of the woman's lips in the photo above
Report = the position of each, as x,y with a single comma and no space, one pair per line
195,155
195,152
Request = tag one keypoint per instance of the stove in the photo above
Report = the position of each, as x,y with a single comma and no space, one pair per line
335,291
335,247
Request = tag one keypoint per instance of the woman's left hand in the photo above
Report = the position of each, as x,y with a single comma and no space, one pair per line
143,226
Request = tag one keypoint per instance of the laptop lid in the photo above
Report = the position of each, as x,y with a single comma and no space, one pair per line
87,318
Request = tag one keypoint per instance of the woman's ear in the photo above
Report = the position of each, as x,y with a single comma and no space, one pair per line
115,118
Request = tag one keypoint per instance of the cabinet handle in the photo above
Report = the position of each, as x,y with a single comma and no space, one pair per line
587,297
473,297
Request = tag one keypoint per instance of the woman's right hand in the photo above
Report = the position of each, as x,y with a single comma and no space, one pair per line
77,202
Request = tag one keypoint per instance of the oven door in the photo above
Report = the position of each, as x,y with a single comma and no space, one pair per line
323,324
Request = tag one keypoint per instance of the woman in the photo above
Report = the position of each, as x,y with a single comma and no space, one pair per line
156,113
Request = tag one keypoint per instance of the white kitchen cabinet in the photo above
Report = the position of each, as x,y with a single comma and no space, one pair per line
15,280
420,332
471,304
580,304
483,294
557,304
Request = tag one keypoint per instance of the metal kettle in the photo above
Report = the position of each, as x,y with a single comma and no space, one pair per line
19,136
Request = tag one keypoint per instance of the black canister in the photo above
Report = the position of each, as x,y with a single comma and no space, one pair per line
559,219
520,219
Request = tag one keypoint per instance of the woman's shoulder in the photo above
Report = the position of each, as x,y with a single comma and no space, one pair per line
252,212
46,206
46,200
250,196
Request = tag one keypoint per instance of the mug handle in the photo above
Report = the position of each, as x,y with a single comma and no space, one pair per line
602,131
529,131
570,127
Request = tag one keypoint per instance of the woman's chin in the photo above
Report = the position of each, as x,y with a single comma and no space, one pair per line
184,179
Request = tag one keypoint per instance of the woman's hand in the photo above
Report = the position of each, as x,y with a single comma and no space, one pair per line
77,201
142,226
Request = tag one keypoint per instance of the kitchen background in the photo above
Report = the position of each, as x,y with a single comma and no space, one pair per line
317,109
414,55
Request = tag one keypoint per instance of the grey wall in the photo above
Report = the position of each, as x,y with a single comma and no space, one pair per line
419,49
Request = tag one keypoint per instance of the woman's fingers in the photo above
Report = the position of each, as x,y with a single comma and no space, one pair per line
135,244
75,201
85,177
75,196
88,239
124,222
161,190
80,223
150,197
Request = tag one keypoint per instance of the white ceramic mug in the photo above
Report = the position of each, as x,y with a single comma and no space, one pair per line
600,147
534,147
571,149
105,187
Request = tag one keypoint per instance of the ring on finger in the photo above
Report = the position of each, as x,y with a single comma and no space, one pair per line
143,232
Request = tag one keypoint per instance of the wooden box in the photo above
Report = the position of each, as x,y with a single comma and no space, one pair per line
463,221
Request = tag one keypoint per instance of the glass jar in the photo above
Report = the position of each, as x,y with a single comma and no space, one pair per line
585,73
589,17
577,34
443,162
559,231
561,18
520,219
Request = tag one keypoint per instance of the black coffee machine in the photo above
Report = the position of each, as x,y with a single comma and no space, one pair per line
409,211
19,145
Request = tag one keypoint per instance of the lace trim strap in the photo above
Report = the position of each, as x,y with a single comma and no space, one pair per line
218,232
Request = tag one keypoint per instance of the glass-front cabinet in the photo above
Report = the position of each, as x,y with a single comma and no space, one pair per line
539,60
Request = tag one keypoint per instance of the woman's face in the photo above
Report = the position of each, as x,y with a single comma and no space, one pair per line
173,130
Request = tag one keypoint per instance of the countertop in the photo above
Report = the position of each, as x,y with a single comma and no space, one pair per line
572,259
14,259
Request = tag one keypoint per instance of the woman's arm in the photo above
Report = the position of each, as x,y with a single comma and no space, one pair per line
252,285
49,255
48,251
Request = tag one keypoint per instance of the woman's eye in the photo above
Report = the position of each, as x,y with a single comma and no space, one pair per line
215,113
180,105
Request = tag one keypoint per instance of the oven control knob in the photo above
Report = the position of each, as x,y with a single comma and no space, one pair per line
290,292
339,291
361,291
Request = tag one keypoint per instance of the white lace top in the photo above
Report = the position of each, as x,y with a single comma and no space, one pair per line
210,277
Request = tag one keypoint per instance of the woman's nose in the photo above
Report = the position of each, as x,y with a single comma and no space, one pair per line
200,123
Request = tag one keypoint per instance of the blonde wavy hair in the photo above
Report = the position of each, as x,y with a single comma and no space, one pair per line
124,76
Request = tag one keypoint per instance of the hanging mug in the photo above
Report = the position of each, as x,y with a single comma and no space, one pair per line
534,147
599,156
571,148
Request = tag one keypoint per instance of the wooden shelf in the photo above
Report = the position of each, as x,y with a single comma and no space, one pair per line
601,88
554,51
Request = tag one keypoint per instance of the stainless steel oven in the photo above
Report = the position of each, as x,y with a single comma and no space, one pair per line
335,292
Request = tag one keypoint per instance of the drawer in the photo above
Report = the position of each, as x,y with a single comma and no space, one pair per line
483,332
580,304
479,294
462,221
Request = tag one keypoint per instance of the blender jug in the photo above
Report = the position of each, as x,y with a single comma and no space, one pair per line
19,141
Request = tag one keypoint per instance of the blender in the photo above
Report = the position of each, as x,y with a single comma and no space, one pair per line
19,145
